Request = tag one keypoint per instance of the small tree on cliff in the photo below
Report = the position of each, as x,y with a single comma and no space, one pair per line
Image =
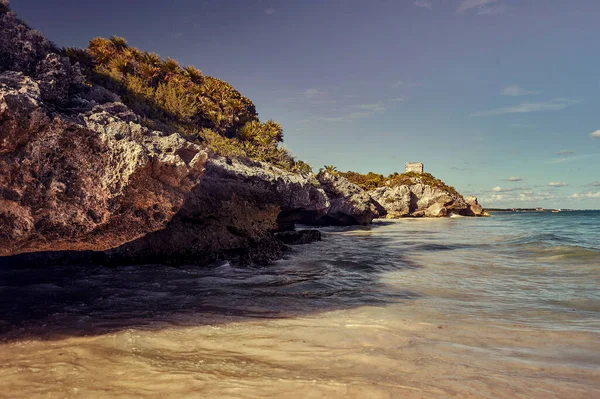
268,134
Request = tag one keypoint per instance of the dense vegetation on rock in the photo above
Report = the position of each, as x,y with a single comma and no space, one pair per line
372,181
172,98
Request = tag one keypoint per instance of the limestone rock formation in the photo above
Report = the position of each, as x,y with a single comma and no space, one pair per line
93,180
231,214
299,237
81,173
436,210
474,208
21,48
419,200
350,204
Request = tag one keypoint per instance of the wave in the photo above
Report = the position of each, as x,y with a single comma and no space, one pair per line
562,252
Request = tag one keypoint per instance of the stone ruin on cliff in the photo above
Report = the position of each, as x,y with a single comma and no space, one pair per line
416,167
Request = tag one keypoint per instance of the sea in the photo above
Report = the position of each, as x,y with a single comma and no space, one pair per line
501,307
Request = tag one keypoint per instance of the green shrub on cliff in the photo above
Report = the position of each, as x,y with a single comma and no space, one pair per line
172,98
372,181
397,179
268,134
232,147
163,90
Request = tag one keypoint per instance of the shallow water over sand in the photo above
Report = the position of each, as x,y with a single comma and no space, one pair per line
500,307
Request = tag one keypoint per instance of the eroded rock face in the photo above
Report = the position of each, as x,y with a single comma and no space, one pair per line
436,210
299,198
82,177
81,173
231,214
474,208
350,204
21,48
90,181
418,200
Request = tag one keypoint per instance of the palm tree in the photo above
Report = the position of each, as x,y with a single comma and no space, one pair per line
193,73
151,58
101,49
118,43
273,132
171,68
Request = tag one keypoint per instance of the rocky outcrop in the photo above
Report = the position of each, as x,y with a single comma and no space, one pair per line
436,210
231,214
418,200
299,237
83,177
81,173
21,48
350,204
93,181
474,208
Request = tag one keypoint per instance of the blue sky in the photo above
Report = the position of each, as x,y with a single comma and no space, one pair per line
499,98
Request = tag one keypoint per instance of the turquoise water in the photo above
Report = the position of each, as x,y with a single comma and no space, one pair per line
499,307
536,268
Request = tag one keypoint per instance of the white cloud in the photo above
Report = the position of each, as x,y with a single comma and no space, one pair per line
270,11
553,105
499,189
589,194
423,3
516,90
595,135
318,97
345,118
514,178
408,85
530,196
490,10
509,199
557,184
354,112
572,158
378,107
493,198
314,93
483,7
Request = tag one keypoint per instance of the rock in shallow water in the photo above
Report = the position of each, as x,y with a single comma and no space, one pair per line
418,200
299,237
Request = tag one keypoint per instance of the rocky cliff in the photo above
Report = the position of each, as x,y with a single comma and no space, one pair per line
86,179
231,214
83,176
419,199
349,203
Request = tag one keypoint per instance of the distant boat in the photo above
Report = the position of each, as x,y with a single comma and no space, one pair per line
556,210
